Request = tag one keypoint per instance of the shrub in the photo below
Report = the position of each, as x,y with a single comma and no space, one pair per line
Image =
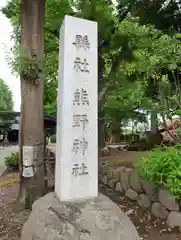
12,161
53,139
163,168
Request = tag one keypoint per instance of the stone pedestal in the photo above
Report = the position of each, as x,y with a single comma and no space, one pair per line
98,219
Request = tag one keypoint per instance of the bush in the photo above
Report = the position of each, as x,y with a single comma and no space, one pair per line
12,161
53,139
163,168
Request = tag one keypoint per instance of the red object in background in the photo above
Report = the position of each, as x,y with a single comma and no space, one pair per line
173,131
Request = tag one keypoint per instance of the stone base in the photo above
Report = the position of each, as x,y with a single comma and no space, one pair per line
98,219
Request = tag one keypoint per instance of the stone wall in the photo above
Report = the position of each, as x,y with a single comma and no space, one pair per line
127,182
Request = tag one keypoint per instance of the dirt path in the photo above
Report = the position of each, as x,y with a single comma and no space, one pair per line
10,222
128,156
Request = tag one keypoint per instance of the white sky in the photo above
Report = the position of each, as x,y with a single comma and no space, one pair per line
5,72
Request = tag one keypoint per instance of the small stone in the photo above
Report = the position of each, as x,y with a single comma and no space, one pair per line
105,179
118,187
111,184
131,194
104,169
129,212
116,174
129,171
144,201
159,211
125,180
135,182
105,152
110,173
167,200
122,169
174,219
150,190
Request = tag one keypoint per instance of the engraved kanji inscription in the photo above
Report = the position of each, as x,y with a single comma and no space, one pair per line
75,170
79,170
81,42
80,97
76,146
83,170
77,97
83,146
85,66
76,120
80,121
77,64
80,146
81,65
84,120
84,97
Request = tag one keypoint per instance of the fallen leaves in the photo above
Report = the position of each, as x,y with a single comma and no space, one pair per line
148,227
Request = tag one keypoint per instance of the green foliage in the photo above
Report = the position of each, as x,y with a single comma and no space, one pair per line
129,50
163,168
6,106
165,15
12,161
27,66
51,108
129,96
6,97
114,43
53,139
6,120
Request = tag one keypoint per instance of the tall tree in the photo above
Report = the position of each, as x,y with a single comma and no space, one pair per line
123,40
32,91
164,15
113,46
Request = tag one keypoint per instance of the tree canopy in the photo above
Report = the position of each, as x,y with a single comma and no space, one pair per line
6,106
164,15
6,97
138,49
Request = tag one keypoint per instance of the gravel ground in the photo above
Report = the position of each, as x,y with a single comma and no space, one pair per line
10,222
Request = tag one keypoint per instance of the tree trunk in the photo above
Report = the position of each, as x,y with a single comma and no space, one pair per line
101,133
32,92
154,123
